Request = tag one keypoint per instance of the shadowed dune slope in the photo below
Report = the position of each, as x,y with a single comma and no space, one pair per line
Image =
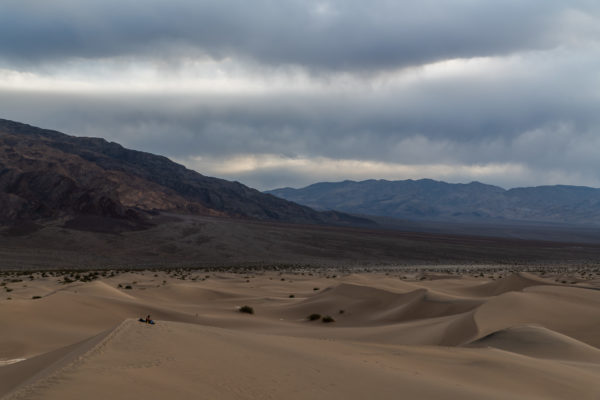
537,341
37,368
571,311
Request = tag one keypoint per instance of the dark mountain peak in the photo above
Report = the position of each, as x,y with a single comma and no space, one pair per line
8,127
48,174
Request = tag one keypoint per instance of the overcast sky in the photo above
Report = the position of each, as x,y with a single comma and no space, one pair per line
276,93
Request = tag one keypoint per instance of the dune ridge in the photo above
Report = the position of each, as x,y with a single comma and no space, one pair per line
537,341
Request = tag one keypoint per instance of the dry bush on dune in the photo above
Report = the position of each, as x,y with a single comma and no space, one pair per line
247,310
314,317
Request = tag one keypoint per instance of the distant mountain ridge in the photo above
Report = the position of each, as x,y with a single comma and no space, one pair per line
427,199
46,174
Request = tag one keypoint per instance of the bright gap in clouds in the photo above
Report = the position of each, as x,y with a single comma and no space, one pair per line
271,171
229,76
278,169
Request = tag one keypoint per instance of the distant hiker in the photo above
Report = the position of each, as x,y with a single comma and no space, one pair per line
148,320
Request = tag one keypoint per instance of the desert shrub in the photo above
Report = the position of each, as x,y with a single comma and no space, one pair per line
128,287
291,296
36,297
8,289
314,317
328,319
342,311
316,288
247,309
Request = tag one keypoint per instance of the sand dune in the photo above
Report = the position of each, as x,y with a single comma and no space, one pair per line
537,341
519,337
207,362
511,283
363,305
574,312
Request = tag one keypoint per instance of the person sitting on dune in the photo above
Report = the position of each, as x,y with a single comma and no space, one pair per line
148,320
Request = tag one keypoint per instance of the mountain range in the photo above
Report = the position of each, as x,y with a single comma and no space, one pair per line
75,202
431,200
96,184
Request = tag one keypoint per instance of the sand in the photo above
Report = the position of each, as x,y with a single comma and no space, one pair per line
415,336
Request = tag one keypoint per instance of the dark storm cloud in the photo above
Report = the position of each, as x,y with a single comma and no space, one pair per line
353,35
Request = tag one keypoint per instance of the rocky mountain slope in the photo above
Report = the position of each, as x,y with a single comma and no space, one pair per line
46,174
432,200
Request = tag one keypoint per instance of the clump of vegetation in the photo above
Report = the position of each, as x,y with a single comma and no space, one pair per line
128,287
36,297
314,317
342,311
247,310
316,288
327,319
291,296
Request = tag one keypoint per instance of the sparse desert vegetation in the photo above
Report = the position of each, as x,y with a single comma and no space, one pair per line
314,317
246,309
